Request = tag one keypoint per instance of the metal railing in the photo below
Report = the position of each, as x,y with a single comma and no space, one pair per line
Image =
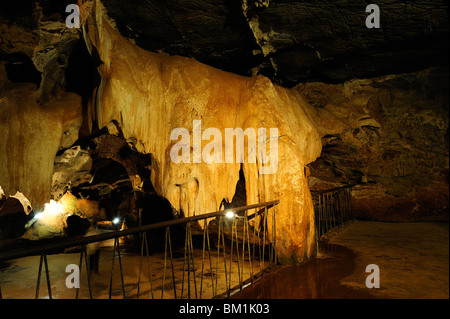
234,252
333,209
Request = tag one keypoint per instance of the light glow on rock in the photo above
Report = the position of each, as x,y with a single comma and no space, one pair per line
53,208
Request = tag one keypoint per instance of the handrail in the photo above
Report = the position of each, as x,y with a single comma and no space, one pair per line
333,208
119,233
246,246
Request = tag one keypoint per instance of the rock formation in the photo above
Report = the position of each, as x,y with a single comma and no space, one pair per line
390,135
31,135
152,94
15,213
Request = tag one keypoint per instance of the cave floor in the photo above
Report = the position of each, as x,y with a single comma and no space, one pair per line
18,277
413,261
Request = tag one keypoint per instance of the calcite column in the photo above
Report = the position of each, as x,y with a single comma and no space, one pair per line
152,94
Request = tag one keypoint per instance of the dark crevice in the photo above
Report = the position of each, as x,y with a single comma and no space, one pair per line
20,68
240,196
81,74
83,78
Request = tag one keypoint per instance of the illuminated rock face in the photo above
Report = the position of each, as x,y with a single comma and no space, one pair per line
151,94
31,135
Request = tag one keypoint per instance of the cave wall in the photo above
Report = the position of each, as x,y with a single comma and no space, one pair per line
389,135
38,117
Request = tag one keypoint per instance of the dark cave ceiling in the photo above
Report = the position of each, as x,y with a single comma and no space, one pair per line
303,40
289,41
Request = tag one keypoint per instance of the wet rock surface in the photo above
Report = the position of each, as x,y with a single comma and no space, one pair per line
412,259
319,278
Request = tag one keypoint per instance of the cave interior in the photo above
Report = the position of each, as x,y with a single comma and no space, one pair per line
86,114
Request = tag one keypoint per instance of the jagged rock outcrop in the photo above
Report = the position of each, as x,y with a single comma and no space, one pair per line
389,134
36,46
72,168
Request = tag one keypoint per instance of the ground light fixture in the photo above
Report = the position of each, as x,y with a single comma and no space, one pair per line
229,214
39,215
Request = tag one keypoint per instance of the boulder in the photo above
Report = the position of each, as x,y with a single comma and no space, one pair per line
15,213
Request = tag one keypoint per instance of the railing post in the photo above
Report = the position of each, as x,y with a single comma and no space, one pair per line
237,255
88,272
274,235
80,264
246,222
264,237
332,209
206,241
43,260
224,254
168,246
231,256
116,244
